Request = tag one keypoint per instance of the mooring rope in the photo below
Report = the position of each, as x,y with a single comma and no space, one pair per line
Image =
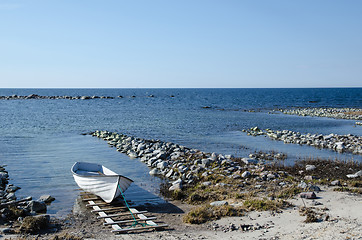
134,218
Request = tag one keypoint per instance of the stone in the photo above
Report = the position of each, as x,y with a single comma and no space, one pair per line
310,167
176,185
219,203
309,177
352,176
155,171
11,196
12,188
206,183
359,173
308,195
46,199
7,231
4,175
303,185
169,173
313,188
162,165
36,206
249,161
33,224
205,162
336,183
246,174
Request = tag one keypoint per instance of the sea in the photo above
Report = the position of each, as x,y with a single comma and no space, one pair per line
40,139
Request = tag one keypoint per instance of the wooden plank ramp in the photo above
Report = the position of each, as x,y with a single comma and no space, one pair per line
117,215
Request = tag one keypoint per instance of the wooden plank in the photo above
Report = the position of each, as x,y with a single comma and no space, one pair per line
131,221
139,228
120,214
90,199
141,216
97,204
107,219
109,209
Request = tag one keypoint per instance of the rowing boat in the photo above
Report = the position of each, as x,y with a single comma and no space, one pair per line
99,180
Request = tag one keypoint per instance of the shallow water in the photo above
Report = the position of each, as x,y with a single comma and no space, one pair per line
40,139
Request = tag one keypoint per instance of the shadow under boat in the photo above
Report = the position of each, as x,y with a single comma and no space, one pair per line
138,197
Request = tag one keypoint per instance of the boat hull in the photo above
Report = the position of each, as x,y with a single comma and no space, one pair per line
99,180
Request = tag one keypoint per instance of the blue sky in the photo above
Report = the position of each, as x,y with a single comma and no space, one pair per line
184,43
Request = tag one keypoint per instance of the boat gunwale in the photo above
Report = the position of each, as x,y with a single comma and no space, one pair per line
91,176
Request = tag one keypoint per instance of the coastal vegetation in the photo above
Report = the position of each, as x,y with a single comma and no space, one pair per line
230,186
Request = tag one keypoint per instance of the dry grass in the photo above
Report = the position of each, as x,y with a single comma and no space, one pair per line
255,204
206,213
348,189
311,215
288,192
34,224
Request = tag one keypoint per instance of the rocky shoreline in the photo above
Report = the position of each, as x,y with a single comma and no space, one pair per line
339,113
339,143
183,166
173,161
35,96
21,215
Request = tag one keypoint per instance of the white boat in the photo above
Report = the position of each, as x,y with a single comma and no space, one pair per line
99,180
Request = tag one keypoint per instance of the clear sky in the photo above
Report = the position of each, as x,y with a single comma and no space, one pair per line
184,43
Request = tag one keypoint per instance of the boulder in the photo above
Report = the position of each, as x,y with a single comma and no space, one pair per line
246,174
308,195
206,183
336,183
310,167
219,203
46,199
33,225
36,206
249,161
155,171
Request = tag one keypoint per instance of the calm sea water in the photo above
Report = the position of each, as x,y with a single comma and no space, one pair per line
41,139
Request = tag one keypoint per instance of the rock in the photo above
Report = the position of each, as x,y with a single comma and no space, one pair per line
308,195
36,206
4,175
249,161
155,171
7,231
303,185
206,183
11,196
313,188
352,176
176,185
205,162
46,199
219,203
336,183
246,174
359,173
12,188
310,167
309,177
33,225
162,165
169,173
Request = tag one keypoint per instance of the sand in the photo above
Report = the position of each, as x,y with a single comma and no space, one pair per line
344,222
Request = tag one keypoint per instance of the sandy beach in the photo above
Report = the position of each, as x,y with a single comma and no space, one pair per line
343,210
